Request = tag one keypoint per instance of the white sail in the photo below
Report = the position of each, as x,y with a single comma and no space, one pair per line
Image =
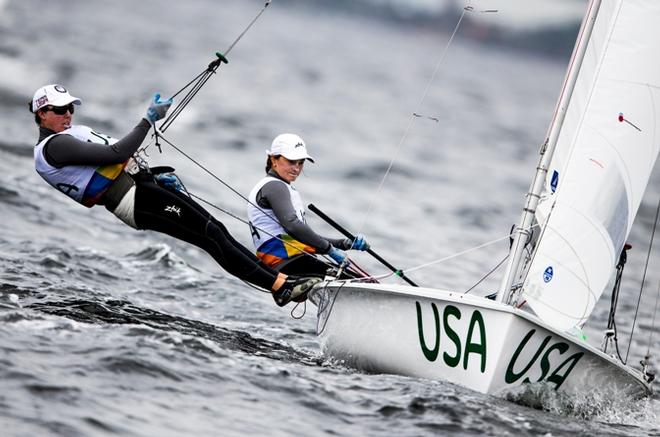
606,149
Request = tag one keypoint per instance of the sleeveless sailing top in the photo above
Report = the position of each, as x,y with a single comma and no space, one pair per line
84,184
273,244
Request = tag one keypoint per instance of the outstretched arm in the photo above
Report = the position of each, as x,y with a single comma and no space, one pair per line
64,150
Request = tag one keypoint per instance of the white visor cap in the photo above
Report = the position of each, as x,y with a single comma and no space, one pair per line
291,146
54,95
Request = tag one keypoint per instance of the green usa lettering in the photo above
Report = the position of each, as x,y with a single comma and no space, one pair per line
453,352
541,360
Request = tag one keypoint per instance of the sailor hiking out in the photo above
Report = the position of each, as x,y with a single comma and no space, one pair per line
95,169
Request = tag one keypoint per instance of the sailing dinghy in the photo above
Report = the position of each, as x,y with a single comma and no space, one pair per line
595,164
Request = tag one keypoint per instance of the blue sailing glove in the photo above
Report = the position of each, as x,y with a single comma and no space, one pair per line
337,255
360,243
157,109
169,181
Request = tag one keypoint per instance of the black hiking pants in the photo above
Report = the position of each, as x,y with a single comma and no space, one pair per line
176,214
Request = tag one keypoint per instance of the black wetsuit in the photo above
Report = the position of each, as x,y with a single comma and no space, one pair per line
162,209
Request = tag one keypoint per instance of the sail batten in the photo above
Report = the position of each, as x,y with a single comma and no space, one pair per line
605,152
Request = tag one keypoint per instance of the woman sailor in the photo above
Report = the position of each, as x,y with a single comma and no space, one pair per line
92,169
276,213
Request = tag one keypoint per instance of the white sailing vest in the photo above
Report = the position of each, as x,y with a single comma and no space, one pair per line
270,239
84,184
263,223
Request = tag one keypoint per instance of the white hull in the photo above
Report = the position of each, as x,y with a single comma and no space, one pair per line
471,341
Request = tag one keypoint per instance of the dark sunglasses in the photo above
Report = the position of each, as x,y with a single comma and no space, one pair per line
60,110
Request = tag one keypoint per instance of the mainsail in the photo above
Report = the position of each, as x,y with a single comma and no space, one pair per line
605,152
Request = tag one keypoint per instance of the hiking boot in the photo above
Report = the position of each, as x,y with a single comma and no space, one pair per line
295,289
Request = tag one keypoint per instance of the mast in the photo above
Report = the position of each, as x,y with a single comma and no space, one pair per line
523,231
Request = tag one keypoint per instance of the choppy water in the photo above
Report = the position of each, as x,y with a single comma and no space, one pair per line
110,331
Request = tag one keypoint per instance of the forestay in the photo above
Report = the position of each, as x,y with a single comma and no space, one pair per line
606,150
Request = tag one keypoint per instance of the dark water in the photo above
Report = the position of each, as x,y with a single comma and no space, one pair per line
110,331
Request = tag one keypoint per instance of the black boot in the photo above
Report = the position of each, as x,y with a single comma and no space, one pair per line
294,289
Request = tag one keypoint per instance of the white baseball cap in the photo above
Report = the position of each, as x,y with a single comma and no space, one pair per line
291,146
55,95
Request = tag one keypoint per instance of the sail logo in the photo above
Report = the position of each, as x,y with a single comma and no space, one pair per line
545,363
554,181
457,349
548,274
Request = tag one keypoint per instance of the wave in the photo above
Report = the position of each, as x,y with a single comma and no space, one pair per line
97,309
121,312
605,406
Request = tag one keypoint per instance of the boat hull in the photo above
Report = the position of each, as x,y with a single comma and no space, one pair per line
471,341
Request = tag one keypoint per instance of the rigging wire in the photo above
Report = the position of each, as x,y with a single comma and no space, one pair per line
416,113
209,172
641,289
366,276
200,80
304,310
329,305
354,267
655,312
487,275
456,255
197,83
612,334
438,261
213,175
411,119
